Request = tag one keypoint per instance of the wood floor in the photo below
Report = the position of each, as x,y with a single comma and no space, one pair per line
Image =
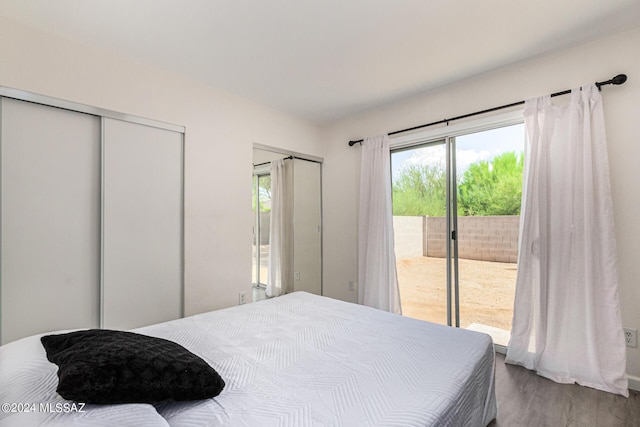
528,400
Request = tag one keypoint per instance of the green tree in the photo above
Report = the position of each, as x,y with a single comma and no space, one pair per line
492,187
264,192
420,190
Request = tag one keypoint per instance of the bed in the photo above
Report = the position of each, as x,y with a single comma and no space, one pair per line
296,360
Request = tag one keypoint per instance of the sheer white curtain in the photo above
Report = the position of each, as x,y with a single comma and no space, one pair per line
566,322
377,277
280,277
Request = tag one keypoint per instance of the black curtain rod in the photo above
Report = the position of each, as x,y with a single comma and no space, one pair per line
617,80
266,163
288,158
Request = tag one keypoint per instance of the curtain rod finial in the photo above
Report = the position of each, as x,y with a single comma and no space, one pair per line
619,79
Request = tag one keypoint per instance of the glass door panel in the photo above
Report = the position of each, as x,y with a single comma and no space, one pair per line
419,177
254,208
262,212
488,167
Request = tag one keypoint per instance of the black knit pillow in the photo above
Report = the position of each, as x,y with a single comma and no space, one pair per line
104,366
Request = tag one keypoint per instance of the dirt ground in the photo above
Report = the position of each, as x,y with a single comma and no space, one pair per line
487,290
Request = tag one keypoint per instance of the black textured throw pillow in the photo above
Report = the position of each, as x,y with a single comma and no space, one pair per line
104,366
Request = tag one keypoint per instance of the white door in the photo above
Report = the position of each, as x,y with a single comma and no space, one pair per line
50,202
142,224
307,233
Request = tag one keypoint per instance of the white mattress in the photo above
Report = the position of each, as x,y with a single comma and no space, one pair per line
296,360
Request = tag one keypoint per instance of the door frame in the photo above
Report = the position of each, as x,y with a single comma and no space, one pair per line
447,135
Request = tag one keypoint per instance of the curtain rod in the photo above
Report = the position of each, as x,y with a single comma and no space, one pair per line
266,163
617,80
288,158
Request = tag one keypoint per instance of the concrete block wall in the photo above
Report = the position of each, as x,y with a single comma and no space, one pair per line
265,226
409,236
435,237
487,238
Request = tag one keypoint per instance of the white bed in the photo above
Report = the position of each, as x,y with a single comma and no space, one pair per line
297,360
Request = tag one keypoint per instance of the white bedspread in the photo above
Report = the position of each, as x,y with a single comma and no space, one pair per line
28,379
297,360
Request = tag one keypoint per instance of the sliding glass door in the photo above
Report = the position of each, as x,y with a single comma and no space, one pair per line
456,204
419,176
489,167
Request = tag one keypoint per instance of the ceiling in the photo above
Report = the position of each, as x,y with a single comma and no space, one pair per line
326,59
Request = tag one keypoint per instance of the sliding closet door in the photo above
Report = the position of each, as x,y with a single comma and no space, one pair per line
307,234
142,224
50,202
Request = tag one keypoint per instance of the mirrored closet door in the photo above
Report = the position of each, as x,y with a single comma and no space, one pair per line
303,223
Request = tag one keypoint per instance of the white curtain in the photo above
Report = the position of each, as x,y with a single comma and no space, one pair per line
280,277
377,277
566,322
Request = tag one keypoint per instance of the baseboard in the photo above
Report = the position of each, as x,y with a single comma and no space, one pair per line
502,349
634,382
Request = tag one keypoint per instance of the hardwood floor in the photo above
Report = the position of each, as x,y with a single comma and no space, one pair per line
528,400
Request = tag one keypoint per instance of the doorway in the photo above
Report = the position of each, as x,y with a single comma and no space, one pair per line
456,206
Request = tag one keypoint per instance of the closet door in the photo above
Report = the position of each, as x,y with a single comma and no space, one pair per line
50,202
142,224
307,233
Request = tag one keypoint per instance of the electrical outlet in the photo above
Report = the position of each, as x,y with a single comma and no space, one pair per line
297,274
242,298
631,337
352,286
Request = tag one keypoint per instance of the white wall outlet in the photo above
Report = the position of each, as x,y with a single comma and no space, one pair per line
297,274
631,337
242,298
352,285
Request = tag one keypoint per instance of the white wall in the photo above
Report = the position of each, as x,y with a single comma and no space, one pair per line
220,131
599,60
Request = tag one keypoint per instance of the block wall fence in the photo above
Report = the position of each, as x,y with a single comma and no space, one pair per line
485,238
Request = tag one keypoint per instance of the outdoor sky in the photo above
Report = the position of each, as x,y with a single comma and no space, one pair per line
469,149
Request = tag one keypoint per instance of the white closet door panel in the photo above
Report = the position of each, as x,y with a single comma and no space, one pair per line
50,171
142,225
